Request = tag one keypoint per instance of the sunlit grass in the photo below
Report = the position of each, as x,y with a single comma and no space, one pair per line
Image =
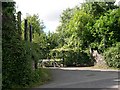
44,76
104,67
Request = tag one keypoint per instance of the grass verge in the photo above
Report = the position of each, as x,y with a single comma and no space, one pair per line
40,77
104,67
44,76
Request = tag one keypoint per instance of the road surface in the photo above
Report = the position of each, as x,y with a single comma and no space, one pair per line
82,78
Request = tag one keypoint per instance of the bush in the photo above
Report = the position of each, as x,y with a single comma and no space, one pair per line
112,56
41,75
77,59
84,59
17,55
69,58
17,65
16,59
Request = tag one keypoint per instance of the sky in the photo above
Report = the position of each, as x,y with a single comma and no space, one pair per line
48,10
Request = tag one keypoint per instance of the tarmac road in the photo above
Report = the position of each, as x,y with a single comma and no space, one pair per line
83,78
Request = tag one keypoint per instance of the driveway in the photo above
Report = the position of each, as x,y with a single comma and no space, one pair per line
82,78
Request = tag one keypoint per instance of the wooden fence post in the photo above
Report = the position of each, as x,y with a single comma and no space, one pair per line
19,24
26,31
34,63
30,33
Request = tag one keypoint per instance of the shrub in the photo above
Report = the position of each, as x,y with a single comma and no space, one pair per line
84,59
77,59
17,55
17,65
112,56
69,58
16,62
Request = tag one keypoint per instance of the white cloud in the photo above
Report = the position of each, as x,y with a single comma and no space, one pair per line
117,2
48,10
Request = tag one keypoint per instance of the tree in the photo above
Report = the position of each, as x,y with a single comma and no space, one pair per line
77,28
94,25
37,26
52,40
65,18
98,8
107,28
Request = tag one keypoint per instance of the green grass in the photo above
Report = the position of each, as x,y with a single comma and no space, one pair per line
43,76
104,67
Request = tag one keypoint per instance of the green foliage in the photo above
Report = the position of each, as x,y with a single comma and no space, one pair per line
18,55
98,8
72,57
65,18
94,25
76,33
93,8
39,38
37,28
77,59
106,29
13,52
77,29
40,76
16,65
52,40
112,56
37,24
22,65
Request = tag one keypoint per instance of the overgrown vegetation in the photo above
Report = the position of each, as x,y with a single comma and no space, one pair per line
112,56
92,25
18,55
